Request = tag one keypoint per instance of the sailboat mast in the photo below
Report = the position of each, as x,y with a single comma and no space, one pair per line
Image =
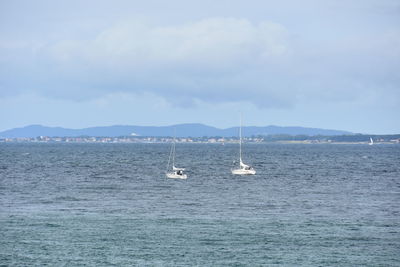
240,139
173,153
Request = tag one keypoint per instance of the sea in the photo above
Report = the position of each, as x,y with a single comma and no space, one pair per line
71,204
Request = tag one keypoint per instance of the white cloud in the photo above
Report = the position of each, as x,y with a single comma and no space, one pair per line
217,60
197,60
214,43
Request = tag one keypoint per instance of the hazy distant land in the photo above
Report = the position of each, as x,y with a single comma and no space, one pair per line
190,133
181,130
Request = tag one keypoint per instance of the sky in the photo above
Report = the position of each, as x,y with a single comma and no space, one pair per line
331,64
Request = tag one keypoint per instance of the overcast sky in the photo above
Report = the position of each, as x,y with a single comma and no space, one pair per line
327,64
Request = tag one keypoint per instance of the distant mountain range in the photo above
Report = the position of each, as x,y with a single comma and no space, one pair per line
182,130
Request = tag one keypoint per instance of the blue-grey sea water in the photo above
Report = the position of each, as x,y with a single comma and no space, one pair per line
111,205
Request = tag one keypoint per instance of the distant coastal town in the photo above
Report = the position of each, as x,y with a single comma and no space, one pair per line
285,139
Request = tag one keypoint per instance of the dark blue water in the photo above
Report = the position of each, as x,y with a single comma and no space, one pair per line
110,204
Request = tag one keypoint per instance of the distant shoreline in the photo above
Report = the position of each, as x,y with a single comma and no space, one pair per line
341,140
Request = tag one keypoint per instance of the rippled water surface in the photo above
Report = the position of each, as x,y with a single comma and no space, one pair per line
110,204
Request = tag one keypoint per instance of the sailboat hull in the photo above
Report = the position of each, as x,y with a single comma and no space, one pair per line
243,172
176,176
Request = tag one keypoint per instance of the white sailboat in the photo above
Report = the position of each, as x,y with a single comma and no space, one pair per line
175,173
243,169
371,141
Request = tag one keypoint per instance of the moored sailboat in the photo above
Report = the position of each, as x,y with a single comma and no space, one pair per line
243,169
174,173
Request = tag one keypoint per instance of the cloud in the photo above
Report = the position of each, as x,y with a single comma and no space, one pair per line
220,60
219,45
197,60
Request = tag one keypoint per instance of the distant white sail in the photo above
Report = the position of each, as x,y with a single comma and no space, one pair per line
371,141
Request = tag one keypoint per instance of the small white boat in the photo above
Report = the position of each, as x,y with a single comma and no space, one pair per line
243,169
177,173
371,141
174,173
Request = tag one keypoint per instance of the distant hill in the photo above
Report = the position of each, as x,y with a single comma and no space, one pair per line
182,130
